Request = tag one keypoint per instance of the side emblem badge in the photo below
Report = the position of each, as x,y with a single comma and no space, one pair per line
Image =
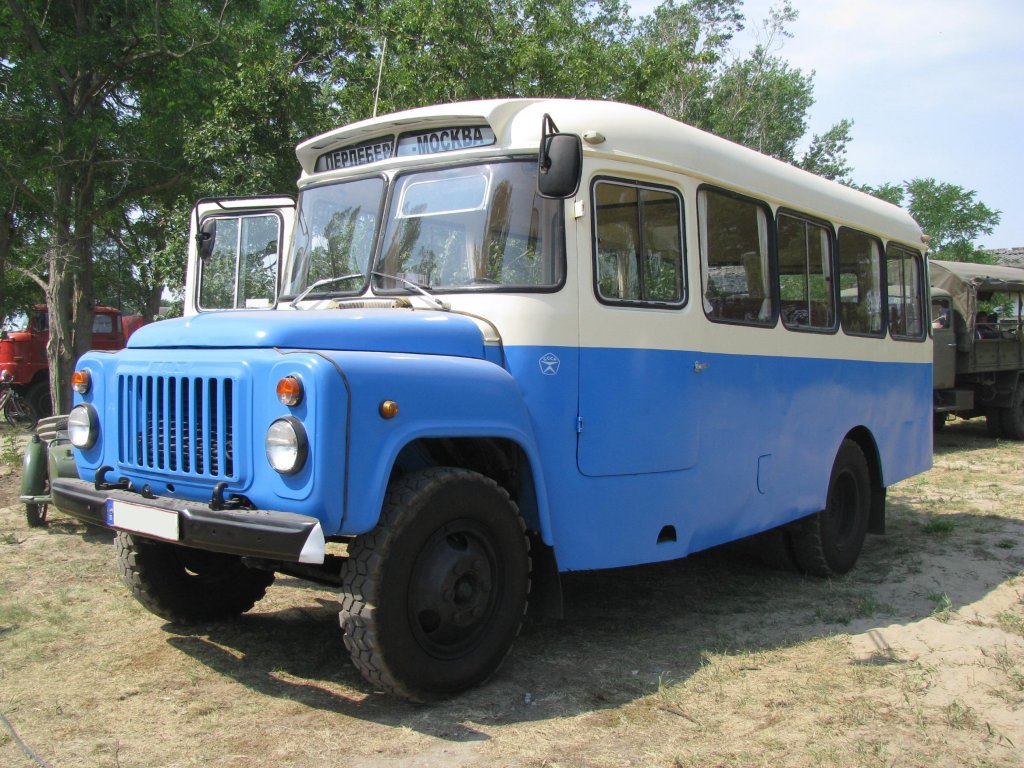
549,364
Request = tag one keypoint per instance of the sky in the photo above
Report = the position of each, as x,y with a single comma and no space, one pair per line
935,89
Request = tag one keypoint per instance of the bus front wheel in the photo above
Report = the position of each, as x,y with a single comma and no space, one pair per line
828,543
434,595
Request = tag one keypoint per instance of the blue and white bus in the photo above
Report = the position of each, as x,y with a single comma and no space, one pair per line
504,340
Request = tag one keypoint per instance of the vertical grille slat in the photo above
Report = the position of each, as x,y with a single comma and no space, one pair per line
181,425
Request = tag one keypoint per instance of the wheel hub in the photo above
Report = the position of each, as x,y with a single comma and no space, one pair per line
452,594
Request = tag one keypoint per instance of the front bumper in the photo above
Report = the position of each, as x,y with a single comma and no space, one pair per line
259,533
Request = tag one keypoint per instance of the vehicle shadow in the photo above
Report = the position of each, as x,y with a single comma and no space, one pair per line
963,435
629,631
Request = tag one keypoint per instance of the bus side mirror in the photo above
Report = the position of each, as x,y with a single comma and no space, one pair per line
206,237
559,165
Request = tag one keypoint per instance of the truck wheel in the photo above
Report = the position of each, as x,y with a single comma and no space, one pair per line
38,396
433,597
994,422
188,586
35,515
828,542
1012,418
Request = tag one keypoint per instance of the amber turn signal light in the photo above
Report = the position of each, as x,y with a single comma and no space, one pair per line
289,391
80,382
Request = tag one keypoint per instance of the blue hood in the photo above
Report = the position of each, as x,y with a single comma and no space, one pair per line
368,330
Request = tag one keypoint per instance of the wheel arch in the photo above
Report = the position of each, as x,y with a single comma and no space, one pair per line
510,465
865,440
503,459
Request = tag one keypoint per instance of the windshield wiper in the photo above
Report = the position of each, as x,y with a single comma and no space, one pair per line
320,283
418,288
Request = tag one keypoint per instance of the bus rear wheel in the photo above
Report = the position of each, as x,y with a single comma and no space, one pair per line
829,542
433,597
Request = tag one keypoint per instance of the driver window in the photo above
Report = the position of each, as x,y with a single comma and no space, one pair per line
241,270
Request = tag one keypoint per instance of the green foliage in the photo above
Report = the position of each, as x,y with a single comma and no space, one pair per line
115,116
826,155
952,217
949,214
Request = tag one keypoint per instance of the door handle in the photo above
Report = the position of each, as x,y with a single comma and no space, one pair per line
699,366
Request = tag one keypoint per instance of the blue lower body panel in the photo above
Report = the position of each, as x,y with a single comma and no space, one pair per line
761,435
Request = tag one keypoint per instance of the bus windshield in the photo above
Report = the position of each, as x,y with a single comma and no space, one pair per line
470,228
335,233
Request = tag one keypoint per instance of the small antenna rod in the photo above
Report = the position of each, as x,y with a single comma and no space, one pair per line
380,71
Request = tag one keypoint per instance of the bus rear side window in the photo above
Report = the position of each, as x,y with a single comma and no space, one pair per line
906,306
639,244
860,283
737,273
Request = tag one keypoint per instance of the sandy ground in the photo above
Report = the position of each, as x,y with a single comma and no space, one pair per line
914,659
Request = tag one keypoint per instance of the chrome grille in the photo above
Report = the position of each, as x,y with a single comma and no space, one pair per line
178,424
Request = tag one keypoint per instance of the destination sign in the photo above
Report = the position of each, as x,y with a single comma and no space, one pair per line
358,154
416,143
444,140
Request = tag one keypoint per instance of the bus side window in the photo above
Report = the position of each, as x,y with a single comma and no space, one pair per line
638,244
805,274
860,283
906,304
737,273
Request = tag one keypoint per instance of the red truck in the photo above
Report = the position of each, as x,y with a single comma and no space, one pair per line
23,352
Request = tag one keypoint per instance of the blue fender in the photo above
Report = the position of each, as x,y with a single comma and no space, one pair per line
437,396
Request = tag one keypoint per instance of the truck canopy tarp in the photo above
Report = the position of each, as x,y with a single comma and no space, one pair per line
963,282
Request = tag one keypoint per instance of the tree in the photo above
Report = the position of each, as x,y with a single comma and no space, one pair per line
757,100
948,213
676,56
102,116
102,84
452,50
826,155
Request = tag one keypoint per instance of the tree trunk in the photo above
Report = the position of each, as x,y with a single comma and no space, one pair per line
70,289
6,236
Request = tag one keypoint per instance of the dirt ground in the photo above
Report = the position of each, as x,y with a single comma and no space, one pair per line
916,658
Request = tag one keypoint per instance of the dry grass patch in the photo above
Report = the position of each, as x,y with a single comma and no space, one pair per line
915,658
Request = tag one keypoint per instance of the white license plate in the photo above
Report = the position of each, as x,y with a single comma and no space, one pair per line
159,523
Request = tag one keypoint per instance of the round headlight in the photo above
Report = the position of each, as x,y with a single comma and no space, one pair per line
286,445
83,426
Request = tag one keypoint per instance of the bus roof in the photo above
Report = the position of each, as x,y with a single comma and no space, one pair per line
638,135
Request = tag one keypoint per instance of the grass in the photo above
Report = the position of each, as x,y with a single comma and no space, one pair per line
711,661
940,526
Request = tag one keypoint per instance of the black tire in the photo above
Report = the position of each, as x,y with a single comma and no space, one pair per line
188,586
434,596
38,396
774,548
35,515
828,542
938,422
994,422
1012,418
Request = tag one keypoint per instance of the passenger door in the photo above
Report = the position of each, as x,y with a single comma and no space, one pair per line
639,372
235,250
944,340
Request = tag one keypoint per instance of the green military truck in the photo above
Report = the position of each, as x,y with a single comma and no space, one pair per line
979,357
